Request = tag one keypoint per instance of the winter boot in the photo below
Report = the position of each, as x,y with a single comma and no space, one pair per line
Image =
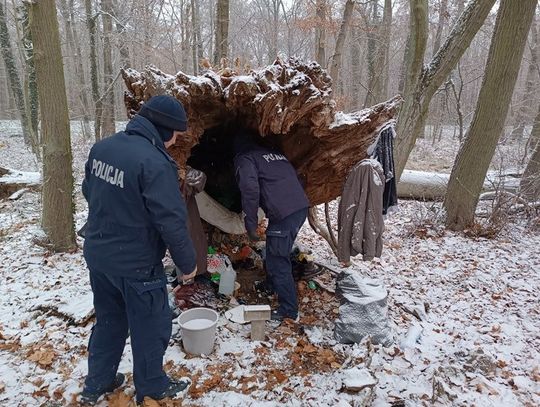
90,398
176,388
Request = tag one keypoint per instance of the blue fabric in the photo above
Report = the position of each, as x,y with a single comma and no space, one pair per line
136,209
267,179
140,305
280,236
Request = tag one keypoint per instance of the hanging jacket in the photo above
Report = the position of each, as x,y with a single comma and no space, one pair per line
360,217
135,208
267,179
384,153
194,183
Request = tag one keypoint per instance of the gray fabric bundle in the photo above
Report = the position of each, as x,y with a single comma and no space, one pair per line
363,310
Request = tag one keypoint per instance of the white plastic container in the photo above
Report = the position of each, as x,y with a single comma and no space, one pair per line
198,327
227,280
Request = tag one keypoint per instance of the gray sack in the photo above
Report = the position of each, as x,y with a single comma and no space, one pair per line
363,310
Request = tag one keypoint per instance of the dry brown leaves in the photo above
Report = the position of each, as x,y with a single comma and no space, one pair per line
8,344
2,387
120,399
217,381
44,356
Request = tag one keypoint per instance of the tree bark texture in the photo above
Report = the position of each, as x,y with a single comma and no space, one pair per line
94,79
335,64
288,102
221,49
109,125
374,28
524,109
530,181
502,68
57,195
320,32
83,93
12,74
123,48
196,45
443,17
422,83
31,93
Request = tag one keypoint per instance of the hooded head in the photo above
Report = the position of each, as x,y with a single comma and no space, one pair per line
167,114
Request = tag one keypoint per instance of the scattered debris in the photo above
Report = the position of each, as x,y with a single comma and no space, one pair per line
357,379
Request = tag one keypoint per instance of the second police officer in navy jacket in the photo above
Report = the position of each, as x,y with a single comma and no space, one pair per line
268,180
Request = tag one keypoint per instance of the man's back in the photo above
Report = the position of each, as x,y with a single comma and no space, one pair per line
280,191
126,177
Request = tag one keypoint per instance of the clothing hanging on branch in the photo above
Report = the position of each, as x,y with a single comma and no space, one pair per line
384,153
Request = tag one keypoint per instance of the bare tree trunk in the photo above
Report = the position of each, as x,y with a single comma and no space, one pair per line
109,126
196,36
221,31
372,46
320,32
439,100
57,193
356,69
379,54
91,24
383,54
443,17
31,93
502,68
530,181
185,34
12,75
272,55
524,109
123,49
421,84
83,93
335,64
457,96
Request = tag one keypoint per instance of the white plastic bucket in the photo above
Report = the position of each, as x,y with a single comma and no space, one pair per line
198,330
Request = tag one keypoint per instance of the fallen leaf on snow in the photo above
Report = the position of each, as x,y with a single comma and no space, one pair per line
120,399
536,374
2,387
148,402
42,357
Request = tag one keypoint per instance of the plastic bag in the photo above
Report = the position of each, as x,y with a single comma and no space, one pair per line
218,263
363,310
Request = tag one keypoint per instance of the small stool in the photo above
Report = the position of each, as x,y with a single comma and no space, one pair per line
257,315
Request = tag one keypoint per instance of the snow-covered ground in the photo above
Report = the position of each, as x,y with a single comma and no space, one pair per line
477,344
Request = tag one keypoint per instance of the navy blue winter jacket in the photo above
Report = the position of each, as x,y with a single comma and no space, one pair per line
135,206
267,179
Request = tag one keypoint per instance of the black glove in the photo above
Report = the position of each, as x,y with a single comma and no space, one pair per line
253,236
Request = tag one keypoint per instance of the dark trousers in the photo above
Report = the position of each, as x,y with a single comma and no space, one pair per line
140,306
280,236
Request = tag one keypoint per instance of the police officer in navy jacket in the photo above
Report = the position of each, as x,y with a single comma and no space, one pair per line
268,180
136,211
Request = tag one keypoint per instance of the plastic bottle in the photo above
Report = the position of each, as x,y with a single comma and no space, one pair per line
227,280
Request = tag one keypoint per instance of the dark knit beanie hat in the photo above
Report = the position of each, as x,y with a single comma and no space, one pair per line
166,113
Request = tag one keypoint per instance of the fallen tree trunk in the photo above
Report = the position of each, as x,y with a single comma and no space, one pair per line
431,186
289,103
12,181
